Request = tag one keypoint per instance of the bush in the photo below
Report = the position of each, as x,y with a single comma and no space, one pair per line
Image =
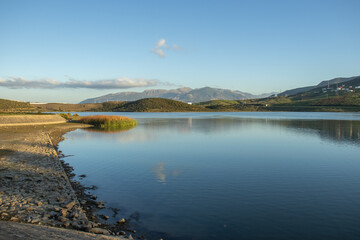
109,122
67,116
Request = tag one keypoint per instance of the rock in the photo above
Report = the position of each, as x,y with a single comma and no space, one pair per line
100,204
14,219
104,217
93,224
63,212
35,220
130,237
70,205
4,214
67,224
121,221
75,215
99,231
77,226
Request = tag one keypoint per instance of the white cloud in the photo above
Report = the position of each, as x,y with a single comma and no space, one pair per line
161,43
159,52
117,83
161,47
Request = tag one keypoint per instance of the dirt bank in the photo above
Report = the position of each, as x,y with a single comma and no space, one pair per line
25,120
21,231
34,187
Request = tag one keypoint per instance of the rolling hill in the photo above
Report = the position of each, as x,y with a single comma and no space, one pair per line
157,105
14,106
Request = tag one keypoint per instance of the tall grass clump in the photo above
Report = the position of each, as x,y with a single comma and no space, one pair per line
109,122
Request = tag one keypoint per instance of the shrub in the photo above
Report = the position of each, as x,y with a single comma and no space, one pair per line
67,116
109,122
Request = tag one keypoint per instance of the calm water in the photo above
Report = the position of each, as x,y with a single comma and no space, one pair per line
228,175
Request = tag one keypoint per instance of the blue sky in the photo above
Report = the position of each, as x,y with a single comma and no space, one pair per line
66,51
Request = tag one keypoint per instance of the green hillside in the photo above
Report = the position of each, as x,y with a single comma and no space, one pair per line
157,105
83,107
14,106
340,101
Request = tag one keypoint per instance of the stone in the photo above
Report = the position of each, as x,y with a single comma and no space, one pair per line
121,221
70,205
35,220
104,217
100,204
63,212
67,224
14,219
62,219
99,231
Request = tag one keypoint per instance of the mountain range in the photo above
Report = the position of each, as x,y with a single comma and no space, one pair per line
207,93
180,94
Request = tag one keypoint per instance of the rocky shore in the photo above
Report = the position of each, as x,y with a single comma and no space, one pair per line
34,187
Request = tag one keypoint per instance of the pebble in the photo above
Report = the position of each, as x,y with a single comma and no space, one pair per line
121,221
99,231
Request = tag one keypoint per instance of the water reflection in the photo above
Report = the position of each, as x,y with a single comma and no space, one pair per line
152,129
162,174
227,177
108,130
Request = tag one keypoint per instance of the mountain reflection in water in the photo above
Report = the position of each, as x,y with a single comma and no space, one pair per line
328,130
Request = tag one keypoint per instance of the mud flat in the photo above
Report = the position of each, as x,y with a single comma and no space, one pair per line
34,187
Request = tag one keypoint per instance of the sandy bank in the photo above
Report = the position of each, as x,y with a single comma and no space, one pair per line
34,187
24,120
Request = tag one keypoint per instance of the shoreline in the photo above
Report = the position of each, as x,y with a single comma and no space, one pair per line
36,187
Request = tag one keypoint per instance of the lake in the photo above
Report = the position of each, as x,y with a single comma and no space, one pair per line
227,175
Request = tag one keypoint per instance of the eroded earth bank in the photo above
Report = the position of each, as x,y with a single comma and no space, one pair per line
35,189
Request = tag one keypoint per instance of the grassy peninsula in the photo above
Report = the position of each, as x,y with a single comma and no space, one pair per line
109,122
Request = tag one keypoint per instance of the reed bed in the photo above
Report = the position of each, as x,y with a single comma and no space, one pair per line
109,122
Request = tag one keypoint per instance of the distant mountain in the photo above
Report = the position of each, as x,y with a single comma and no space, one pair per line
180,94
321,84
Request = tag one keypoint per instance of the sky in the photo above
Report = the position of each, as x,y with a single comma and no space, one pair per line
68,51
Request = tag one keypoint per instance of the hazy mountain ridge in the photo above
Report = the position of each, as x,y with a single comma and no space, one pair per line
180,94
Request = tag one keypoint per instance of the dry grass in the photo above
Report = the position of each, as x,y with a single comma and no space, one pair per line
109,122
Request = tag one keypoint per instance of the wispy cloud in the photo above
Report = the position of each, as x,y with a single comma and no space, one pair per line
161,46
117,83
